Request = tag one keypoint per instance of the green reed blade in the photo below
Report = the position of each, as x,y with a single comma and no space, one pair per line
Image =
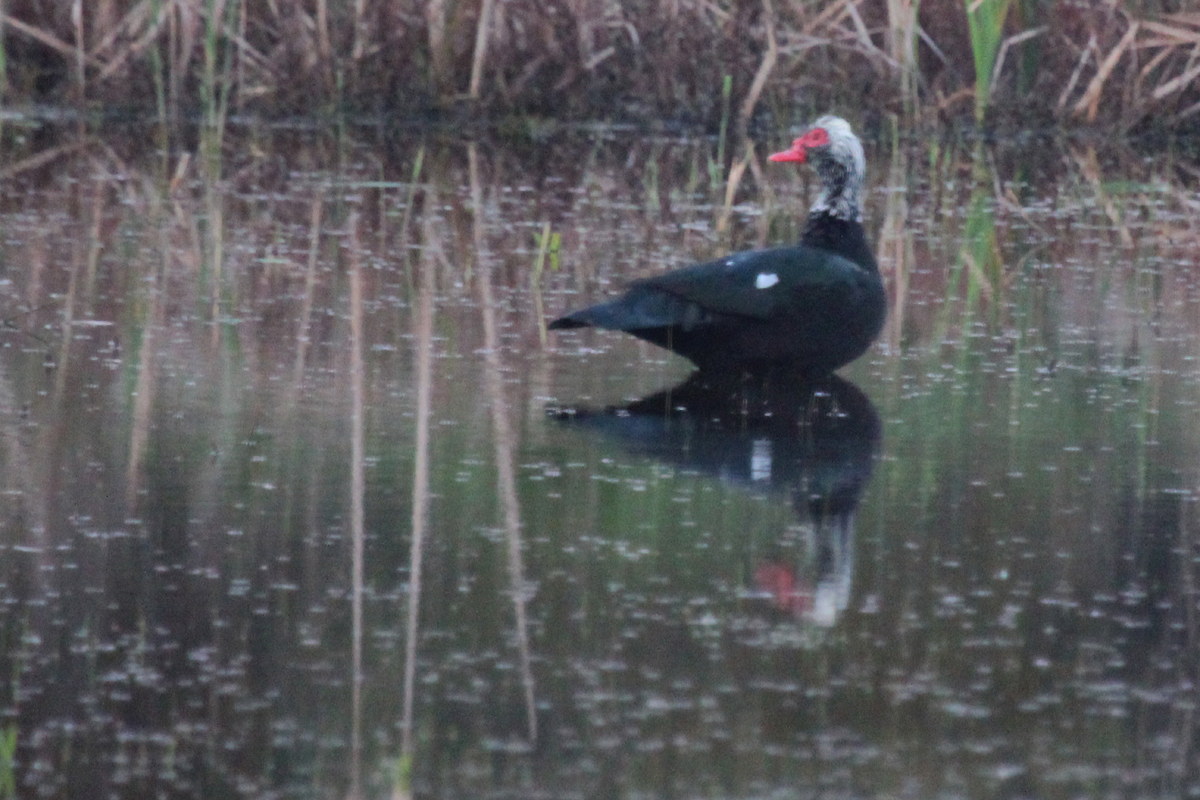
985,18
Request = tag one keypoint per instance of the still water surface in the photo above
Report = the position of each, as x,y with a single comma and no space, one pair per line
965,568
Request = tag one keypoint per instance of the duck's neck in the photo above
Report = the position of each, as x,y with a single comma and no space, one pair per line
841,190
840,235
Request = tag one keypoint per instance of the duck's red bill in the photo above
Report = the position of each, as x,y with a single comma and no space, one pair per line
796,154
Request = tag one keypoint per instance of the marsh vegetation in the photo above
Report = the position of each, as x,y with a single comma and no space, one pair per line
1122,65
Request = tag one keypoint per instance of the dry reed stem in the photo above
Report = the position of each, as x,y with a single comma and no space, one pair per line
1090,101
215,249
244,48
945,102
357,492
860,28
731,186
324,47
50,40
482,33
77,24
539,311
763,222
185,32
901,38
1089,165
932,45
1083,59
895,246
830,16
801,44
423,343
138,46
176,182
95,240
1187,112
147,372
131,22
20,481
1176,26
764,71
1171,35
1153,63
310,282
862,37
360,30
42,158
986,290
62,361
435,19
718,13
504,444
768,194
1178,82
1009,42
239,69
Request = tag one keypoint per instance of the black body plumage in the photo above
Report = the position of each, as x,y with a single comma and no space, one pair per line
810,308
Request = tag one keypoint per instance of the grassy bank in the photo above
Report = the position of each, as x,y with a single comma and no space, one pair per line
1124,64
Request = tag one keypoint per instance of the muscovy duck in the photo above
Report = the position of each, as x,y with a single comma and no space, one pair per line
809,308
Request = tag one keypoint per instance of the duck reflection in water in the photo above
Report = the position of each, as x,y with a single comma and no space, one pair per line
815,441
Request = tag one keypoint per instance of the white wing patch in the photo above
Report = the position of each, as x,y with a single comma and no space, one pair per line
766,280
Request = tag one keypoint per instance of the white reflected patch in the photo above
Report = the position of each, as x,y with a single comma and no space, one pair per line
760,460
766,280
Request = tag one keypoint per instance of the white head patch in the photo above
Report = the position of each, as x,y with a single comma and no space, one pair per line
766,280
841,165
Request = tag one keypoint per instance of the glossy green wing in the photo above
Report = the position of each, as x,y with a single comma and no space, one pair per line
762,283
